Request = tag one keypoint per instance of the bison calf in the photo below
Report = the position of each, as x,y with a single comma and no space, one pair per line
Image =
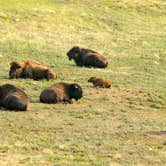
30,69
61,92
99,82
86,57
13,98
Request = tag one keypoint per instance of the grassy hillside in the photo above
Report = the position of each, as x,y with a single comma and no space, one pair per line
105,127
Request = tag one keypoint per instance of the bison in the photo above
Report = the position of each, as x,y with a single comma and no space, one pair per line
86,57
61,92
99,82
30,69
13,98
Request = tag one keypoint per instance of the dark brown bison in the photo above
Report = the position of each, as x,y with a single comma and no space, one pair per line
99,82
13,98
61,92
86,57
30,69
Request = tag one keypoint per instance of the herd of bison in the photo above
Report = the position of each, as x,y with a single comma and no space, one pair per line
13,98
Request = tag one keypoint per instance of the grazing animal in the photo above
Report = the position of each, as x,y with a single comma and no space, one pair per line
99,82
13,98
30,69
61,92
86,57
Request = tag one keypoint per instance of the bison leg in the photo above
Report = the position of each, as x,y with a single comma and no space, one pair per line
67,101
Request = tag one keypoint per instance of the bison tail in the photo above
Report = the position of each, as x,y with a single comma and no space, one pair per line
106,64
102,64
110,86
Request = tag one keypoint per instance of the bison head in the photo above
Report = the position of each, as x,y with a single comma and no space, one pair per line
73,52
75,91
91,79
15,69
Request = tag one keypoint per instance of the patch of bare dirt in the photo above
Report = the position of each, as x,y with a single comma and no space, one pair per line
121,96
158,134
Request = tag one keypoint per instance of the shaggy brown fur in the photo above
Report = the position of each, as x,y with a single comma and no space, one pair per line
99,82
30,69
13,98
61,92
86,57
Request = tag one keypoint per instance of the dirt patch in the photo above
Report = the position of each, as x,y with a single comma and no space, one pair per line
158,134
120,93
119,98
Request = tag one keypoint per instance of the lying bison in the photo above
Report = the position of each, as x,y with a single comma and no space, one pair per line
61,92
86,57
100,82
30,69
13,98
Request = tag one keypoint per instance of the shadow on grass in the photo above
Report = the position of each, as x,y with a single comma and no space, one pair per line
2,109
162,132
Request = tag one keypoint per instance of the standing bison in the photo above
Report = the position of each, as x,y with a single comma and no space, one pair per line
61,92
30,69
13,98
86,57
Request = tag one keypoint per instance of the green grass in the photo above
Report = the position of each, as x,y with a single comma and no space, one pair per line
105,127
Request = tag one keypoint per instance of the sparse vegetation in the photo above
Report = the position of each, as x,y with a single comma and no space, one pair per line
107,126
